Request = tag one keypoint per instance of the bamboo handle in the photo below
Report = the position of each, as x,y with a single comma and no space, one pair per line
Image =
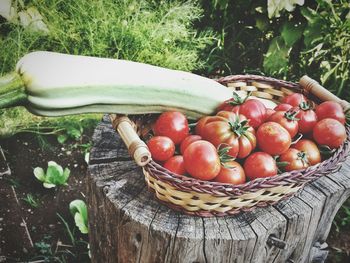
136,147
323,94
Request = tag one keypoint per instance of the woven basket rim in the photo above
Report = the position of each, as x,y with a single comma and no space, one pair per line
186,183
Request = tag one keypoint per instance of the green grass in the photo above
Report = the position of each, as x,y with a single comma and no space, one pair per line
158,33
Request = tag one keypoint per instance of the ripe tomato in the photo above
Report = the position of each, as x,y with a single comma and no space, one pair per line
231,173
232,130
330,109
201,160
294,99
176,164
311,150
307,118
273,138
283,107
287,120
296,160
252,109
187,141
161,148
172,124
329,132
269,113
260,165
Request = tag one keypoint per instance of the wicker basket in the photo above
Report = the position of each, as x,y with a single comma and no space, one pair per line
205,198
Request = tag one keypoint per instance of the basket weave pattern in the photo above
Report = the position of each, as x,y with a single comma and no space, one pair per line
206,198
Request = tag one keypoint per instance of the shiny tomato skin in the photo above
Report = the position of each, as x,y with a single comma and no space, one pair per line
231,173
161,148
176,165
294,99
219,131
202,160
329,132
307,121
172,124
311,150
260,165
269,113
187,141
273,138
330,109
283,107
255,111
294,161
290,125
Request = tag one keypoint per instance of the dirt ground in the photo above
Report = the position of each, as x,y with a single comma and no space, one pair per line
29,234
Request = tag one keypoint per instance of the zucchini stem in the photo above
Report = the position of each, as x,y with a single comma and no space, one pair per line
12,91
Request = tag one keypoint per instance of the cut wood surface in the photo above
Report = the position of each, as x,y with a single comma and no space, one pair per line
127,224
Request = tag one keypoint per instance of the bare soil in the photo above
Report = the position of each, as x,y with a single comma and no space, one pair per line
28,233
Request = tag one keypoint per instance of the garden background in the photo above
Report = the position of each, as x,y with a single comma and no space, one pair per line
282,39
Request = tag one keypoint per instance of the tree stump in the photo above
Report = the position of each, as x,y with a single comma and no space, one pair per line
128,225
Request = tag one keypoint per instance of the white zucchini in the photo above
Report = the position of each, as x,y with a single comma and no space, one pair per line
53,84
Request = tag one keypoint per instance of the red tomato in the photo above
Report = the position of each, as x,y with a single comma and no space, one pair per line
252,109
294,99
307,118
311,150
273,138
172,124
329,132
187,141
232,130
287,120
161,148
201,160
231,173
176,165
296,160
330,109
260,165
283,107
269,113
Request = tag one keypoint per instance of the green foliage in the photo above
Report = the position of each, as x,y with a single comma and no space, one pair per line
145,31
78,209
54,175
283,39
327,45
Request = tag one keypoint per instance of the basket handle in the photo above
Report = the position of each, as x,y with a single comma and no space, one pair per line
320,92
136,147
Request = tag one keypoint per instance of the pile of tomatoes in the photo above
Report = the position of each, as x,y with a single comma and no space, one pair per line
245,140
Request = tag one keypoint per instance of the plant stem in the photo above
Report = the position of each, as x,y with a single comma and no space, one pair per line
12,91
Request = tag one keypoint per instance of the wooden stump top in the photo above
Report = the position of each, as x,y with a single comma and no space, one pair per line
127,224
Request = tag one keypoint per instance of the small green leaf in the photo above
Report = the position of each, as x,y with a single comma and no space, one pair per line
62,138
66,174
48,185
78,207
39,174
79,222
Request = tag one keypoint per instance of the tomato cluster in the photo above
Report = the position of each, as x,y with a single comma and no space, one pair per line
245,140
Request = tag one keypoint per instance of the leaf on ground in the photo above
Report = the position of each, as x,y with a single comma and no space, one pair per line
39,174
